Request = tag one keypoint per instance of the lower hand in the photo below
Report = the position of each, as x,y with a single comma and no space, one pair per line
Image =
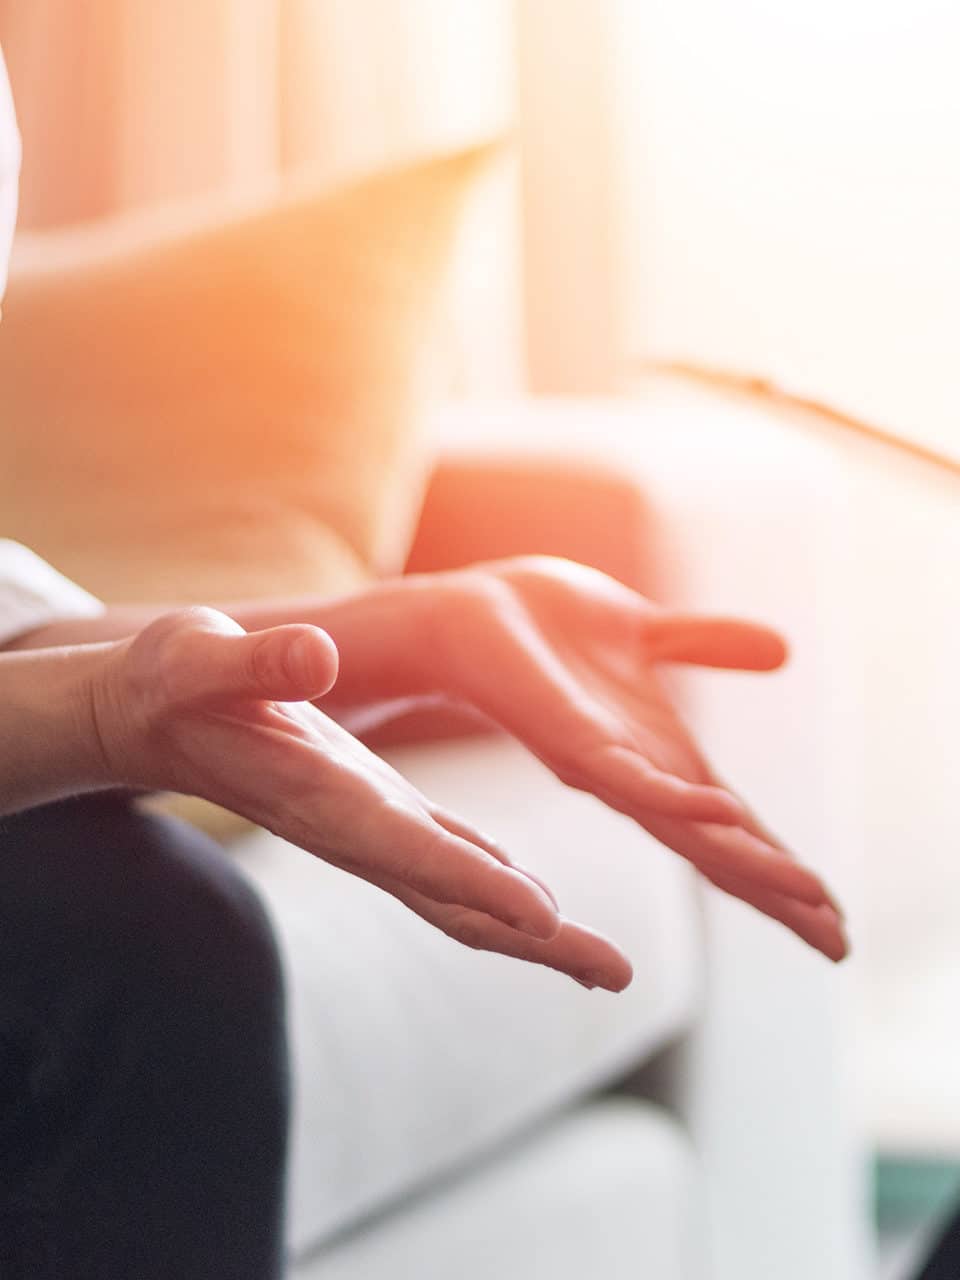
195,704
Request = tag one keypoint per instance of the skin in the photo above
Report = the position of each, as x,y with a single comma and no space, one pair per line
258,706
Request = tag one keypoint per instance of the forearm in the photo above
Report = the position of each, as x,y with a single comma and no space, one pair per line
49,744
116,623
382,633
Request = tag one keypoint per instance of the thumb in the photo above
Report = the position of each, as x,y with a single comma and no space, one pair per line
714,642
292,663
207,655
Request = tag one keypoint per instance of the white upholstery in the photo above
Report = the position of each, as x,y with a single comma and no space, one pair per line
563,1202
413,1054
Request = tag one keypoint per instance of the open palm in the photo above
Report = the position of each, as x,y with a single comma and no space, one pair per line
565,659
195,704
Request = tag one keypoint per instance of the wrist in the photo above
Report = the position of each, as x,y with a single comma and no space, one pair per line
384,637
51,740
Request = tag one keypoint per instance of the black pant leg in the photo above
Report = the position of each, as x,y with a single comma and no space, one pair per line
944,1262
143,1067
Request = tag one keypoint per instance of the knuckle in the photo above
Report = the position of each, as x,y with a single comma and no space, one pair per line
469,932
174,625
537,565
164,639
420,860
485,593
469,614
419,877
571,768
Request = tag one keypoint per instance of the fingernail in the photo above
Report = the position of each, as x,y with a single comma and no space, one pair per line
841,950
538,929
733,803
589,986
594,979
542,926
532,875
302,658
840,913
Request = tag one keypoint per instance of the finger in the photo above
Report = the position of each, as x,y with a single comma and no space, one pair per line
448,869
458,827
215,658
580,953
820,927
532,693
753,824
583,741
735,851
570,719
383,826
577,951
643,786
713,641
292,663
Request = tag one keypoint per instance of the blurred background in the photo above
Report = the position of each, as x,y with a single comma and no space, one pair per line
761,196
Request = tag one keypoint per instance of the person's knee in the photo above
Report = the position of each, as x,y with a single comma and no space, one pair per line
192,920
142,1007
107,912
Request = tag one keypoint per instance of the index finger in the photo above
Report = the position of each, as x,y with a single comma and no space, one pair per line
587,744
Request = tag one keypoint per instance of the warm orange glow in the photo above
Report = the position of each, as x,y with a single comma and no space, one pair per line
795,199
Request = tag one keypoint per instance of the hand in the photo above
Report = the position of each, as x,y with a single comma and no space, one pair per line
195,704
565,659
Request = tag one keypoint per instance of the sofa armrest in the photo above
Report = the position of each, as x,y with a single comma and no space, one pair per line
491,506
746,513
485,507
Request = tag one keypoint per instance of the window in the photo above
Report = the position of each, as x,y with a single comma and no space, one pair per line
793,199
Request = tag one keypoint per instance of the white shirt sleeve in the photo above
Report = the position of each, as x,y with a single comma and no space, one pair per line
33,594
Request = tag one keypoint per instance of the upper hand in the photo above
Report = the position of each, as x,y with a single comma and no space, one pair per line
565,659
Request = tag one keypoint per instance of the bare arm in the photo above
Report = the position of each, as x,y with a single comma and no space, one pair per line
48,739
375,630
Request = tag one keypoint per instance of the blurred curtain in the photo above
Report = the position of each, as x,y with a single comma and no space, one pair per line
772,190
122,103
125,102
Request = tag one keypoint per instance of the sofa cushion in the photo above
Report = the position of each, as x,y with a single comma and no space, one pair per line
213,402
414,1055
610,1190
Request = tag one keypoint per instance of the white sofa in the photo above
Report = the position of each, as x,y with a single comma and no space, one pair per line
454,1113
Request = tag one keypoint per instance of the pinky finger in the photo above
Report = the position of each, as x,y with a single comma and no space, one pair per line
756,827
458,827
640,786
820,927
576,951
